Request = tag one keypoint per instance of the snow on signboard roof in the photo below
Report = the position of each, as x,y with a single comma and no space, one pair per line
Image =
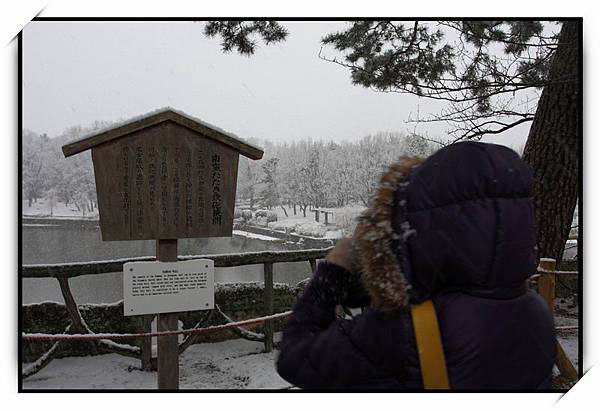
115,131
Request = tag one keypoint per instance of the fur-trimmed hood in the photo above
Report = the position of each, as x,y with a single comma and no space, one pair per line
374,240
460,219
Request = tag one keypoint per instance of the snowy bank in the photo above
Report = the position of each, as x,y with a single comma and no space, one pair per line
246,234
233,364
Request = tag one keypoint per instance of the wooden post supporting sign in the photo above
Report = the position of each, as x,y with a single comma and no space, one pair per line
146,342
168,350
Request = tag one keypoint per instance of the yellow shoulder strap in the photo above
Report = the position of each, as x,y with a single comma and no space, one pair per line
429,345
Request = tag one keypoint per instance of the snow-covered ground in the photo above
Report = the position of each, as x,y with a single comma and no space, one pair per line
255,236
566,314
340,223
232,364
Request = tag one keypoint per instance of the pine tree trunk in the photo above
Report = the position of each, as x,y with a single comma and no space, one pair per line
552,148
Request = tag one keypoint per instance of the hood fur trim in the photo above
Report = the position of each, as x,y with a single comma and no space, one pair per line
374,240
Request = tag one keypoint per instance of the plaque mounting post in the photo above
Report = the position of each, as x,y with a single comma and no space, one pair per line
168,350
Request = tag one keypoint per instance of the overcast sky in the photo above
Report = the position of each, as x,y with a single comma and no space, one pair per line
78,72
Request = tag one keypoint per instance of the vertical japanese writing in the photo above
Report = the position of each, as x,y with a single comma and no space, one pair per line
217,216
125,184
201,173
152,177
139,183
189,195
164,186
176,183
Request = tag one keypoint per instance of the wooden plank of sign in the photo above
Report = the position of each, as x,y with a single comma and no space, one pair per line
164,182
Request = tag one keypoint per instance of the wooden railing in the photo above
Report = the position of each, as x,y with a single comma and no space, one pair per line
63,272
546,279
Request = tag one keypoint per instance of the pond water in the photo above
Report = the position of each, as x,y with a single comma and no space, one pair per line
61,241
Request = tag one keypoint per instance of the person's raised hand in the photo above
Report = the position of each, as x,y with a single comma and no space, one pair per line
343,254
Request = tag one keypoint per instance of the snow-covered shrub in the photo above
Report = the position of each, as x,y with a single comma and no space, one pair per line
287,225
312,229
247,214
237,213
262,213
271,216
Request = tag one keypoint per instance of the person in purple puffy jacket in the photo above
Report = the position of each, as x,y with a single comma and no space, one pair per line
456,228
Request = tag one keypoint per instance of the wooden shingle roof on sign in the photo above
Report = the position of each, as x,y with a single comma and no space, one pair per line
160,116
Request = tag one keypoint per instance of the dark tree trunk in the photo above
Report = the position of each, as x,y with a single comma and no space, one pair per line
284,210
294,209
552,148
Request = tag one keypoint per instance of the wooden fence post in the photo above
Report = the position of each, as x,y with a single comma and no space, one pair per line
547,282
564,365
146,342
168,350
78,324
268,327
547,289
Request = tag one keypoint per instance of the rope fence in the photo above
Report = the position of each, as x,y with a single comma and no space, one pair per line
84,337
81,332
557,272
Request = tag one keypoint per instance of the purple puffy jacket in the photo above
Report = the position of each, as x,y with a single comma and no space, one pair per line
457,228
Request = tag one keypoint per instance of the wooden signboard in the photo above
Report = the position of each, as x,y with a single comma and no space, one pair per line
163,176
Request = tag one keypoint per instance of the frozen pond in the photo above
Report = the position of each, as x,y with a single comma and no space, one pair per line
61,241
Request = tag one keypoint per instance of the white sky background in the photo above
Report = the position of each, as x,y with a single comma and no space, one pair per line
78,72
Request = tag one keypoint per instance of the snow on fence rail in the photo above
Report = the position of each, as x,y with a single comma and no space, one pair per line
70,270
63,272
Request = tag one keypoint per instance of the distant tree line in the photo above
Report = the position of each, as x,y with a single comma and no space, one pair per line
301,174
47,174
316,173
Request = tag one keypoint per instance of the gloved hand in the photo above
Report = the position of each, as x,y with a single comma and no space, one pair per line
336,280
